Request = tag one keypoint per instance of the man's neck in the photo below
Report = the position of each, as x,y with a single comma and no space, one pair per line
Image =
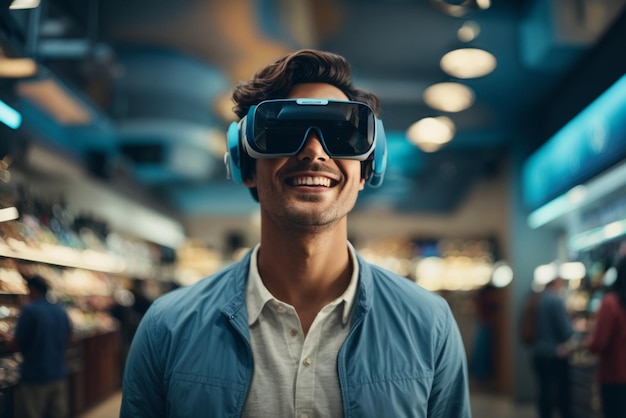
306,271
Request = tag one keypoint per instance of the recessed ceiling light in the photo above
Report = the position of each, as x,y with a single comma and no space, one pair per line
449,97
468,63
431,133
468,31
483,4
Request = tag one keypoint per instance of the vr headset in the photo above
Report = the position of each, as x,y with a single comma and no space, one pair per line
279,128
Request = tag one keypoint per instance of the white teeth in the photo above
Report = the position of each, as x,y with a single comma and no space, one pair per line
311,181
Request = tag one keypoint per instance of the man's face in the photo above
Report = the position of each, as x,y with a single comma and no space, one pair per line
309,189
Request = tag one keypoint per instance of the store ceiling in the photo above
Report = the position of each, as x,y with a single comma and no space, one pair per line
153,80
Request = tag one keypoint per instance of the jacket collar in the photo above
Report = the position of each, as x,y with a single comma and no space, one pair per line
235,307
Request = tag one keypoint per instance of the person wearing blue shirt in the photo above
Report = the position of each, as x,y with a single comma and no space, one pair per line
302,326
551,349
42,333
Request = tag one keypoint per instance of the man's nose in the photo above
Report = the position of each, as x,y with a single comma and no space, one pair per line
312,148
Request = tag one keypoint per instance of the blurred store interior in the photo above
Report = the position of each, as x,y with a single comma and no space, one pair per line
505,166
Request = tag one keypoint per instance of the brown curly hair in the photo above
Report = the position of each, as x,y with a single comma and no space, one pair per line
276,80
304,66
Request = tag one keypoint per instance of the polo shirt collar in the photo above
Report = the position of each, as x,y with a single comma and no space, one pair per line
257,294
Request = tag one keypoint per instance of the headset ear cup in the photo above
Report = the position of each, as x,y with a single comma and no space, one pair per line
380,156
232,159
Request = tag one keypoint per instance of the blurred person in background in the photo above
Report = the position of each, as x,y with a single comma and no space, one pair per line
608,341
551,348
487,306
129,307
302,325
42,334
140,305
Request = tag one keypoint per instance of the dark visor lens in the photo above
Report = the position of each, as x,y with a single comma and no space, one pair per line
281,127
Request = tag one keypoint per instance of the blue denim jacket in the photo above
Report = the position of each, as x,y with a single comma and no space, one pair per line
191,356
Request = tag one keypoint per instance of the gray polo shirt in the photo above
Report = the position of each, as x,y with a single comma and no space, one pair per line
295,376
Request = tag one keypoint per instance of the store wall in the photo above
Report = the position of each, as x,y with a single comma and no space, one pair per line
528,249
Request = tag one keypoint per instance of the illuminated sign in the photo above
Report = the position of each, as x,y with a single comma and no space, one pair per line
590,143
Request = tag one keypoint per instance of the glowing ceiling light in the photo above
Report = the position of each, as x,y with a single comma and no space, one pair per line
468,31
430,134
24,4
449,97
17,67
468,63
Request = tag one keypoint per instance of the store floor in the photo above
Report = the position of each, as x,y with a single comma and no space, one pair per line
484,405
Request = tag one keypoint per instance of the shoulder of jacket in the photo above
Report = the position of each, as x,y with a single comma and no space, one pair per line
206,294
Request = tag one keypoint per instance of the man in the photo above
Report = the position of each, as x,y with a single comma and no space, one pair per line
302,326
41,335
551,348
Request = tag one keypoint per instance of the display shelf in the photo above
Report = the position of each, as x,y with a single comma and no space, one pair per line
94,371
69,257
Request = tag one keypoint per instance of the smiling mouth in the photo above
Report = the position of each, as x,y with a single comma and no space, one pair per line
310,181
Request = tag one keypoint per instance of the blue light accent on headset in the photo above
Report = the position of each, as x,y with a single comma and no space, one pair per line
380,157
233,158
